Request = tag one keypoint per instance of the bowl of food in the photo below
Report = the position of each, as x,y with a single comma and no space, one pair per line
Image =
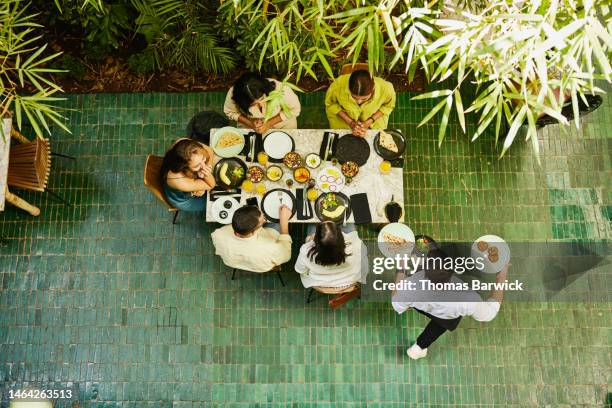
274,173
292,160
255,174
350,169
301,174
313,160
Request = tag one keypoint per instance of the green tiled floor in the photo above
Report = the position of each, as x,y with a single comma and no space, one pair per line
109,298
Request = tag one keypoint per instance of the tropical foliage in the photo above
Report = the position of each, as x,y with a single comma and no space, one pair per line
25,83
520,55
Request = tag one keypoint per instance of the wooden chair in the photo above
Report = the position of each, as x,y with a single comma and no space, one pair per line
277,269
30,165
152,179
349,68
341,295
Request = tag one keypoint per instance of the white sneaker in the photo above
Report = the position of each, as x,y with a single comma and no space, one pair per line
415,352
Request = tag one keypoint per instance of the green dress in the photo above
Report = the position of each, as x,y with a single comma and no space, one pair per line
338,98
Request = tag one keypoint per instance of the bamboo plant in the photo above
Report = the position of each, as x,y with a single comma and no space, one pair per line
524,58
25,84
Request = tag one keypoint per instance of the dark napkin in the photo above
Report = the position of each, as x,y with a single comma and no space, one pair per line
252,201
324,145
218,192
361,208
247,145
299,197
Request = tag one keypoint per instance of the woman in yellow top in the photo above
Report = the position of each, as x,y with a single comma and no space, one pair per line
359,102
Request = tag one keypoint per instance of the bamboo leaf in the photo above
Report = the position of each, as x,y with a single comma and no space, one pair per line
433,94
431,113
444,123
459,107
516,124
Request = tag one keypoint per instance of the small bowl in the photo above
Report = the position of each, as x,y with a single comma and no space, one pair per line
301,175
292,160
279,171
347,171
313,160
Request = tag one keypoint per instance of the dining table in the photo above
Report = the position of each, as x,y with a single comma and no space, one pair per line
380,188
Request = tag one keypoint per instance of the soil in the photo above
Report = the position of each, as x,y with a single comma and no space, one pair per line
112,75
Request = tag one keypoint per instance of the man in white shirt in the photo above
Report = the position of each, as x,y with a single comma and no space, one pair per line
445,308
247,245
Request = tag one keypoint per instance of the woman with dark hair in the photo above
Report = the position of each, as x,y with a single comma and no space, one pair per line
359,102
246,104
332,258
187,174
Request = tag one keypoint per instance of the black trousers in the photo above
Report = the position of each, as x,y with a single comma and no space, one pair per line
434,329
431,333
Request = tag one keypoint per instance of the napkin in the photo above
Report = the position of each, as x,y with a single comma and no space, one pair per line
248,138
218,192
361,208
326,136
299,196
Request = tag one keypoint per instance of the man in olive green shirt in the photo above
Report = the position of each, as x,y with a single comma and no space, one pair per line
247,245
359,102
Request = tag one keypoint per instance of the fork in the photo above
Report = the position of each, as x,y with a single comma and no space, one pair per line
279,194
305,203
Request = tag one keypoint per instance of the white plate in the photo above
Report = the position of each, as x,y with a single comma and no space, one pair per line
330,179
503,250
272,203
231,151
400,230
277,144
222,214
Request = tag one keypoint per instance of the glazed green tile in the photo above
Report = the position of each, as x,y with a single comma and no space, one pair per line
134,311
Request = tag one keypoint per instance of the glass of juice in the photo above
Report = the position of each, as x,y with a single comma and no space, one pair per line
385,167
312,194
262,158
247,186
260,188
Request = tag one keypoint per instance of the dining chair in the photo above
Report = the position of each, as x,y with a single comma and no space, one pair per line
30,165
277,269
350,68
341,295
152,179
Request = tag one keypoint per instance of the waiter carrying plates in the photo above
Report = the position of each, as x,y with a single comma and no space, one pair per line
444,307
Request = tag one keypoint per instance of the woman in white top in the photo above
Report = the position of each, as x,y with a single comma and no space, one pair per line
332,258
245,103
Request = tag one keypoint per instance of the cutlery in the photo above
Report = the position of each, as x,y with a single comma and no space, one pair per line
331,143
253,140
325,152
279,194
306,210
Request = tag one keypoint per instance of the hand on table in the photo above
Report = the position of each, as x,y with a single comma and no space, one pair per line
261,127
361,128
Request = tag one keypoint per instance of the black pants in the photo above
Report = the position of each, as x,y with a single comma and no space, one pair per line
431,333
435,328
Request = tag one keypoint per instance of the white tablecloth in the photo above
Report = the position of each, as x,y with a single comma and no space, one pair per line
379,187
5,144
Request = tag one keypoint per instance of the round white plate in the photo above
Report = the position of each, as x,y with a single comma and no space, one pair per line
227,151
503,250
400,230
272,203
330,179
277,144
224,215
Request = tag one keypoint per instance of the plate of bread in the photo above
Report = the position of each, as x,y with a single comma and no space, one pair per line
390,144
227,141
396,238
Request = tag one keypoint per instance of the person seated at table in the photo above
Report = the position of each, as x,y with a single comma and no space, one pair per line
359,102
187,174
246,104
331,257
249,244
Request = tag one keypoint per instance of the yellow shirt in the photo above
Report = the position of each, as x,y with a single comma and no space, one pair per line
258,253
338,98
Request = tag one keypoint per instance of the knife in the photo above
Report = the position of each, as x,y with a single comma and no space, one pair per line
325,152
306,210
253,140
331,143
